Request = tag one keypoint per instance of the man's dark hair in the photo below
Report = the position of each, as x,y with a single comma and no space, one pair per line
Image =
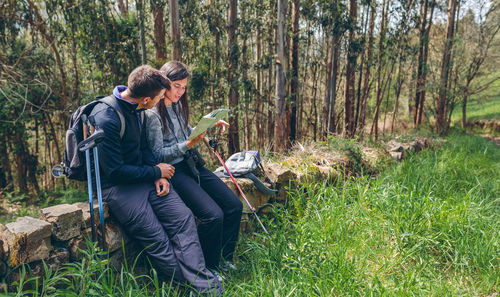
145,81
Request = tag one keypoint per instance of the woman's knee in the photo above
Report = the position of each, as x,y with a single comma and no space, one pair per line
213,216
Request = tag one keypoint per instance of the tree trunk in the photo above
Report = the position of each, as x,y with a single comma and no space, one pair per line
123,7
159,31
294,82
366,81
332,116
442,101
232,78
328,85
5,169
175,32
350,79
280,137
140,9
422,61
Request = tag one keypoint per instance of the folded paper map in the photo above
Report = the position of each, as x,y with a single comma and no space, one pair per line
208,121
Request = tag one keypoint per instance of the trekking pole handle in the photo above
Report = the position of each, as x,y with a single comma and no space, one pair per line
85,127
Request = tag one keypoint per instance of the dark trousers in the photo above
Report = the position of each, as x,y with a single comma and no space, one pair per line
165,228
216,206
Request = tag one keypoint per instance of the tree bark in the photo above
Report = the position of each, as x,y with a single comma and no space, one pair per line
140,9
294,82
442,101
123,7
366,81
280,137
175,33
232,78
159,31
350,79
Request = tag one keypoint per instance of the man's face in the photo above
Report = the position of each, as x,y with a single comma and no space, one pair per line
152,102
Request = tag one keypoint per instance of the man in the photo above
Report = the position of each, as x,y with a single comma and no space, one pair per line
136,189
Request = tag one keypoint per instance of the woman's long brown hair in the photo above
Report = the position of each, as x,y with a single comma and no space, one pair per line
174,70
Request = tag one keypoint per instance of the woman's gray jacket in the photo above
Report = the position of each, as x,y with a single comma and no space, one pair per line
168,146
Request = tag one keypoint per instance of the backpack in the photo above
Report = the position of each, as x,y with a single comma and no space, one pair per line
247,164
74,160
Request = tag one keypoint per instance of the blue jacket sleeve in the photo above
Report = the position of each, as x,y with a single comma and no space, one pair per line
111,161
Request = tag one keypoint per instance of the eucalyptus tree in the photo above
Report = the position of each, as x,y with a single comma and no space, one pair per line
280,135
442,102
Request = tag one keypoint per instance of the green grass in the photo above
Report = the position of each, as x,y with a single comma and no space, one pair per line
428,226
485,105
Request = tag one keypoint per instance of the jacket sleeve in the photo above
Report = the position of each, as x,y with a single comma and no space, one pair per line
147,155
110,156
154,134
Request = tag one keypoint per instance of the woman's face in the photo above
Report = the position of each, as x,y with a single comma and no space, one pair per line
177,89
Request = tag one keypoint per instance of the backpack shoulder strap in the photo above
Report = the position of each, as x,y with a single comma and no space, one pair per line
113,103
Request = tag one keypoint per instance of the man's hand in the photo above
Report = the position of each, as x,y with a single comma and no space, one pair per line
167,170
222,124
191,143
162,186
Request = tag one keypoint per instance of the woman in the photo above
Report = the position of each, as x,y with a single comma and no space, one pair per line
212,202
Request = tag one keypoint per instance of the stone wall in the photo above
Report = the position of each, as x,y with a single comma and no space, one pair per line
59,234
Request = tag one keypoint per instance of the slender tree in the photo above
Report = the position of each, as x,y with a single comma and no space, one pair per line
442,100
175,33
350,78
232,78
280,137
157,7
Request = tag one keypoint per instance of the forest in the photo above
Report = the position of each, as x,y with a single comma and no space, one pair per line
290,71
300,78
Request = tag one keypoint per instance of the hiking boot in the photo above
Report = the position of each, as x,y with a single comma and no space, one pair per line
228,266
217,275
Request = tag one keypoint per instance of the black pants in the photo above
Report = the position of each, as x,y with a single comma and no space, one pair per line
216,206
165,228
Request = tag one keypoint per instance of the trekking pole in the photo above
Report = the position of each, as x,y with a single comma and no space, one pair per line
213,144
89,178
87,144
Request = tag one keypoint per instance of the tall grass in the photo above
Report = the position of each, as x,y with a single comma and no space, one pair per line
428,226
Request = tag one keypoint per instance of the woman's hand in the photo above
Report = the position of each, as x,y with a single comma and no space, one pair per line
191,143
222,124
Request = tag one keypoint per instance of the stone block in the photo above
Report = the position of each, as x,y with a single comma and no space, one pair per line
254,196
397,156
4,248
28,240
114,236
282,176
85,207
55,261
66,220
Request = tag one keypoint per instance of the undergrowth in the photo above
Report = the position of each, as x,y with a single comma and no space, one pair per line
428,226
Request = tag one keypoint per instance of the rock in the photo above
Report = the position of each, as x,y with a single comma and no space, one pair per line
279,174
114,236
84,206
56,260
282,177
394,146
77,244
398,156
66,220
4,248
254,196
28,240
130,255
